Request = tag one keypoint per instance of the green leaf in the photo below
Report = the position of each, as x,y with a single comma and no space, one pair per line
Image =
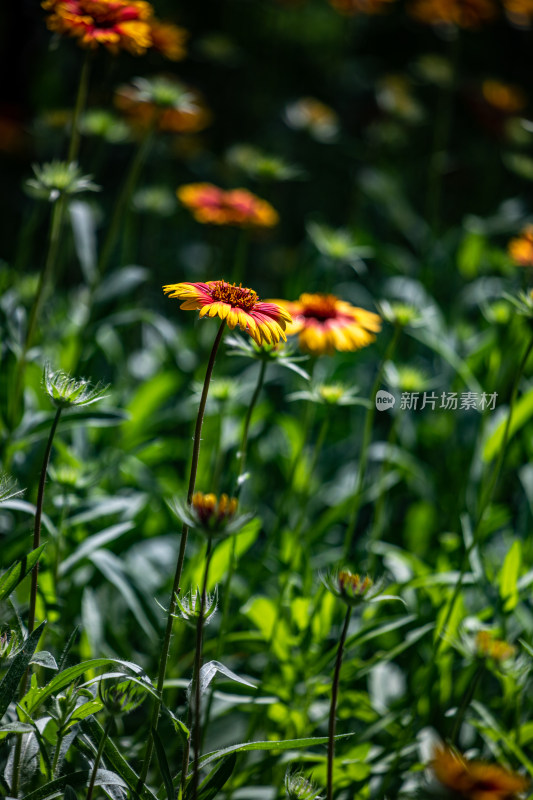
163,764
509,575
70,794
76,780
93,543
19,665
115,759
522,411
44,659
18,571
216,779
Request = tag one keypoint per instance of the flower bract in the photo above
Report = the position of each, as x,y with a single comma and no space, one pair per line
265,322
65,391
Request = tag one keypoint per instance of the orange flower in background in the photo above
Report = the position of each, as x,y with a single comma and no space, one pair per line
351,7
488,646
519,12
311,115
115,24
504,96
265,322
475,780
521,248
462,13
325,324
163,102
210,204
169,39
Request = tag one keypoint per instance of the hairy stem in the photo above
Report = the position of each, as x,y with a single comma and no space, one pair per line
333,705
98,756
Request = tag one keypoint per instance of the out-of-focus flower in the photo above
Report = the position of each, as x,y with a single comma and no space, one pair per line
169,39
521,248
265,322
57,178
158,200
211,205
434,68
405,377
488,646
351,7
475,780
523,303
212,515
117,25
299,788
65,391
519,12
504,97
313,116
401,314
471,14
261,166
353,589
105,124
325,324
278,353
331,394
338,245
12,135
395,97
164,103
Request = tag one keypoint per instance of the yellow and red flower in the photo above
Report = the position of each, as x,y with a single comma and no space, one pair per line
115,24
521,248
265,322
211,205
519,12
470,14
504,97
325,324
475,780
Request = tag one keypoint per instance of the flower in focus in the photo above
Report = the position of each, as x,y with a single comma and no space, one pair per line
521,248
469,14
313,116
115,24
351,7
59,177
163,102
265,322
168,39
475,780
519,12
488,646
504,97
211,205
65,391
214,516
325,324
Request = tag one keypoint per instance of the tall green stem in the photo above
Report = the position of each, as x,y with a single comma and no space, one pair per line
98,756
244,442
367,436
333,705
181,557
34,582
465,702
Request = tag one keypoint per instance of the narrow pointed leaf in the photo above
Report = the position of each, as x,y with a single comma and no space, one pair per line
163,764
18,571
19,665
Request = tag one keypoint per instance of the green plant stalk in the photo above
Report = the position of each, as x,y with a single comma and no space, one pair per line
60,737
333,705
465,702
98,756
34,583
121,206
196,686
367,437
486,497
181,557
81,99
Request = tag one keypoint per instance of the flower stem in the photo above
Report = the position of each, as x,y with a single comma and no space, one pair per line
367,436
34,583
81,99
98,756
181,557
333,706
465,702
244,442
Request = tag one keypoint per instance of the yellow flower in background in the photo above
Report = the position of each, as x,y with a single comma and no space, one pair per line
265,322
519,12
470,14
351,7
475,780
169,39
325,324
488,646
521,248
164,103
504,96
211,205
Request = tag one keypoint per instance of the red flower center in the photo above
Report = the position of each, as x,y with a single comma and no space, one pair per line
321,308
